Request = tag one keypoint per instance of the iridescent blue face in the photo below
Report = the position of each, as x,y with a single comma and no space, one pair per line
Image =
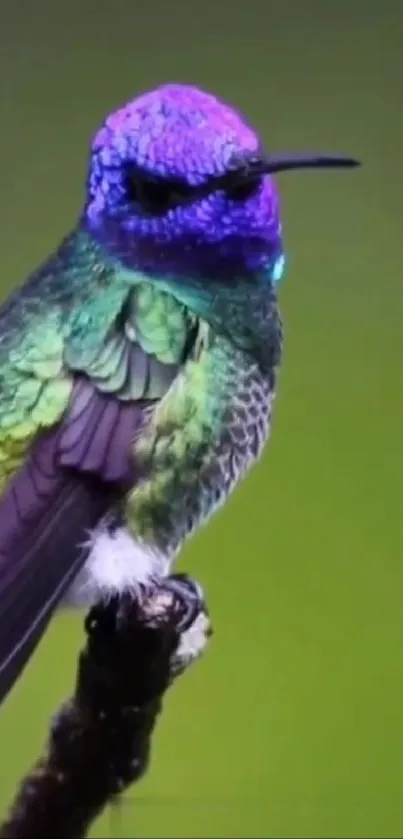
145,160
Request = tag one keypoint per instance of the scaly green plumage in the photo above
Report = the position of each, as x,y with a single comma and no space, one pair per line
61,323
201,438
208,422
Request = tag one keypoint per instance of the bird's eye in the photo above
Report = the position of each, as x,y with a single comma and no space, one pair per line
156,196
244,190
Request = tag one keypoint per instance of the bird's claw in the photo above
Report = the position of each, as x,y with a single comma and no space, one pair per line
185,600
174,607
194,627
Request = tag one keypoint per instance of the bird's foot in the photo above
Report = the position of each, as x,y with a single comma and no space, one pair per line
186,599
161,633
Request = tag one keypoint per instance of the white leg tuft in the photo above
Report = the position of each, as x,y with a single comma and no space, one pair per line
116,563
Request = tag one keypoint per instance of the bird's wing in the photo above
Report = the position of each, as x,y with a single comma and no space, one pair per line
69,410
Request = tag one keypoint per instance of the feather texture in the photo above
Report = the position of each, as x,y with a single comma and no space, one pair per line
45,516
81,316
85,355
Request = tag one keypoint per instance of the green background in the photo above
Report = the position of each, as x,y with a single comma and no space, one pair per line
292,724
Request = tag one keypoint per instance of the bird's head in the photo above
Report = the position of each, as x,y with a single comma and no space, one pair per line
180,189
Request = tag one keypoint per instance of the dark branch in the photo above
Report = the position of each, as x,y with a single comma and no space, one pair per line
100,739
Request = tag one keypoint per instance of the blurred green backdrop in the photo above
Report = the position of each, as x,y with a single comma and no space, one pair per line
293,724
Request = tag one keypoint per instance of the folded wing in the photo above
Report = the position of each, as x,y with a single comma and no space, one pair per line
66,429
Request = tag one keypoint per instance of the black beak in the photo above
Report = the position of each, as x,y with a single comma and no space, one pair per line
246,170
285,162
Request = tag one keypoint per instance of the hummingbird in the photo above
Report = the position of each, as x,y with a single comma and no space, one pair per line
138,363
